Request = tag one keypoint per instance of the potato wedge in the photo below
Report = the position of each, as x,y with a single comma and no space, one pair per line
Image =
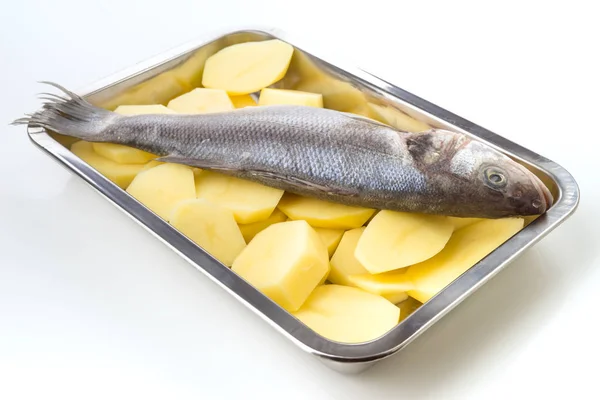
251,230
286,261
295,97
330,237
201,101
396,298
347,314
323,214
394,240
347,270
247,67
162,187
211,227
120,174
123,154
343,262
249,201
242,101
466,247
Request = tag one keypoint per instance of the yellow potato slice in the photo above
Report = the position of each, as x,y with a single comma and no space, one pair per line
347,270
295,97
125,154
323,214
394,240
250,230
211,227
247,67
120,174
331,238
397,118
348,315
466,248
343,262
249,201
162,187
201,101
408,307
394,285
242,101
286,261
462,222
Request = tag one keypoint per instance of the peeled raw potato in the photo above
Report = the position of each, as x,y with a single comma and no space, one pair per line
397,119
201,101
286,261
120,174
462,222
323,214
347,270
394,285
295,97
348,315
396,298
394,240
250,230
162,187
249,201
242,101
343,262
331,238
247,67
466,247
122,154
211,227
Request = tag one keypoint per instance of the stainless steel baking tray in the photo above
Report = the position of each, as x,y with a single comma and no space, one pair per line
168,75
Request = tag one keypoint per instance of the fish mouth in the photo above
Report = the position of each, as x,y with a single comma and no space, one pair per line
546,200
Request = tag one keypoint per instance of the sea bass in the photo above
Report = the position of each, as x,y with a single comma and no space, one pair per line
322,153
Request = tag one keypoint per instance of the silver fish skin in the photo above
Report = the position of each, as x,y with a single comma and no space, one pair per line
330,155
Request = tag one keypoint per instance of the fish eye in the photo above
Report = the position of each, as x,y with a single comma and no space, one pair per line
495,178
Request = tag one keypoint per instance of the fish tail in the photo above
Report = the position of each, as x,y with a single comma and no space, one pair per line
70,115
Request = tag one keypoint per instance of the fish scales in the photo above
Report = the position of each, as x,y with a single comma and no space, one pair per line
322,153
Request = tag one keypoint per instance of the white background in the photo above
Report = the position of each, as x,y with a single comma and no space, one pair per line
93,307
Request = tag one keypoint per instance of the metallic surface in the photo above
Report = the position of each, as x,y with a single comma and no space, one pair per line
166,76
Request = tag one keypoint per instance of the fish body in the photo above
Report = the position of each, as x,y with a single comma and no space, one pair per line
330,155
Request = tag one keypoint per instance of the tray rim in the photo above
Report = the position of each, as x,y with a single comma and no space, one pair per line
415,324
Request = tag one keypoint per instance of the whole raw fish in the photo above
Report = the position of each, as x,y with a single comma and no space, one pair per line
322,153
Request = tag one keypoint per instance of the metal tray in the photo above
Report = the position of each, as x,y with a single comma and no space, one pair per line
175,72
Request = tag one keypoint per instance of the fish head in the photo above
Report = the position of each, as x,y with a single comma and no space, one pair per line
474,173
